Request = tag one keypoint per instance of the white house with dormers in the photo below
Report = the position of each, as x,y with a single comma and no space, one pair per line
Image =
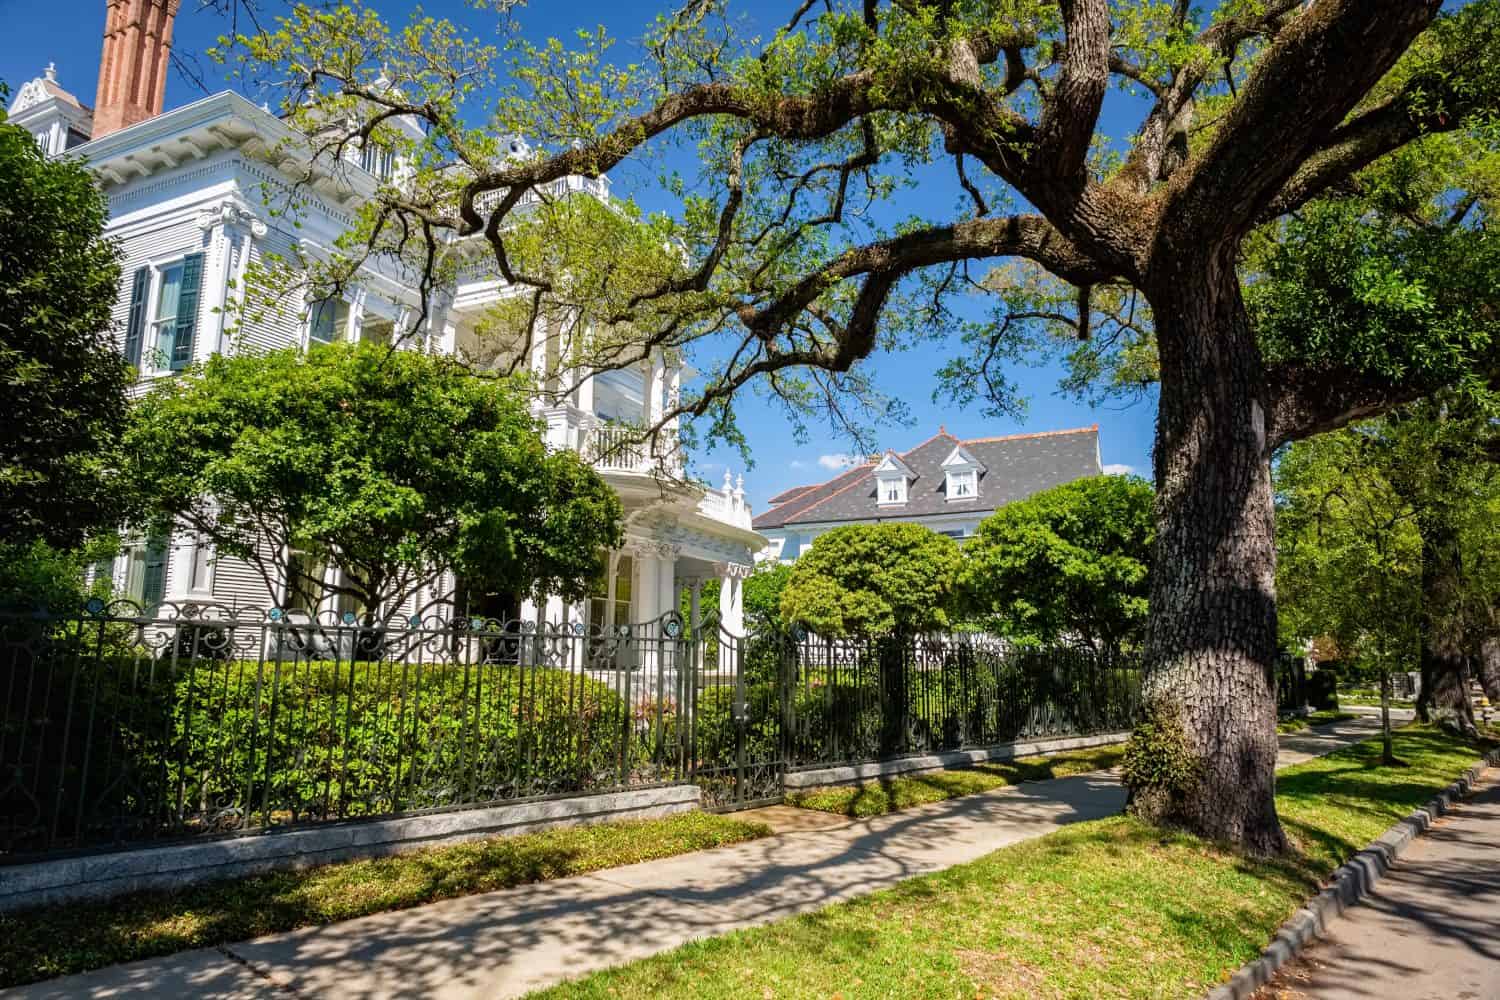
944,483
198,193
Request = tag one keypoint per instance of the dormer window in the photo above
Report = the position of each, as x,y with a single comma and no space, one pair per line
891,478
961,471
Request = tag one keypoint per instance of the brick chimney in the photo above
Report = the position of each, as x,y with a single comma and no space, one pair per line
133,66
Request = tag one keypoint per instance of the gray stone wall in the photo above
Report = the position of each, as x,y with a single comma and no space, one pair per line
98,876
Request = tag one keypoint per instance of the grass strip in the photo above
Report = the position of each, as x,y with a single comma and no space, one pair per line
1322,718
1105,908
892,794
56,940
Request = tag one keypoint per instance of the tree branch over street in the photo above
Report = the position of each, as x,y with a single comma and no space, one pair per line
788,259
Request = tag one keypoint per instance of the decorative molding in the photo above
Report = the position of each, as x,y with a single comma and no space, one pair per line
231,213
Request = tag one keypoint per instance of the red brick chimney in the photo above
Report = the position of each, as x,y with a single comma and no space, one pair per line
133,66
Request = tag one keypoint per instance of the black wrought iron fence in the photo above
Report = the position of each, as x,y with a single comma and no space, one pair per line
859,700
119,727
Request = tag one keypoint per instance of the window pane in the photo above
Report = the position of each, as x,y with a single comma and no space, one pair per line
305,583
201,555
154,572
169,293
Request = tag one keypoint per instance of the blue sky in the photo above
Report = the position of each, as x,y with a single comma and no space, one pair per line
68,32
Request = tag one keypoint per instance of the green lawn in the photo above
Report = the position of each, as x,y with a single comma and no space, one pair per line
1322,718
902,793
1108,908
52,941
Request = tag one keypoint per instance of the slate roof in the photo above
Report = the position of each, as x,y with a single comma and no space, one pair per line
1016,467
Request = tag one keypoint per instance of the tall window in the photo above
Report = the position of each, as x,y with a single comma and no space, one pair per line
601,612
146,571
378,160
892,489
376,329
202,557
329,320
304,587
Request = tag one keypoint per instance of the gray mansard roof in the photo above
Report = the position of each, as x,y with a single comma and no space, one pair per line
1015,467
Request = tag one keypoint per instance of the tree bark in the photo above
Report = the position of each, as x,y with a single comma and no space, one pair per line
1489,667
1211,640
1444,663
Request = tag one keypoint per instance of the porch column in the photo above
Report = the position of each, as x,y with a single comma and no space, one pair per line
651,403
732,602
667,579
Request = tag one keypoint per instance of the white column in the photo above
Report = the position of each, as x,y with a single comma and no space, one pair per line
732,604
585,380
674,395
647,587
695,600
667,580
651,404
447,341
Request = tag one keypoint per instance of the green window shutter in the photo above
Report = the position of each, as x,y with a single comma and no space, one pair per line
187,311
135,324
154,577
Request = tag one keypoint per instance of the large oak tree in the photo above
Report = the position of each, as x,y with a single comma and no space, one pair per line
782,272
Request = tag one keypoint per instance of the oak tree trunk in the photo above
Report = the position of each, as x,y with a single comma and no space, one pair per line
1489,668
1444,662
1211,641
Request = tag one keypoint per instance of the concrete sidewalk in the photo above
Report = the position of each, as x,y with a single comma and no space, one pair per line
1430,931
502,944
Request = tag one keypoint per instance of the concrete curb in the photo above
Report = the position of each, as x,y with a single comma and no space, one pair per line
1352,882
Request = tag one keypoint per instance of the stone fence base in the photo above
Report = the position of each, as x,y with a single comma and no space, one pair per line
97,876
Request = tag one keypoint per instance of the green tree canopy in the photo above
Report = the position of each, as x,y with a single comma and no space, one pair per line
763,590
1072,560
871,579
62,382
395,465
1349,562
793,254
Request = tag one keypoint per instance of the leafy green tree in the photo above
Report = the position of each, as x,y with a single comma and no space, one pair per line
1388,532
874,579
1071,561
793,256
397,466
763,590
63,383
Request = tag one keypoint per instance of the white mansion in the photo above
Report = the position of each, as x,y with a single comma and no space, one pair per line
188,193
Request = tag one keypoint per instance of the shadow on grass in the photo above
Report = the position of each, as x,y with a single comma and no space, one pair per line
57,940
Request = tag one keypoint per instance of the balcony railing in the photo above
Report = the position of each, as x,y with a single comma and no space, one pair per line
615,447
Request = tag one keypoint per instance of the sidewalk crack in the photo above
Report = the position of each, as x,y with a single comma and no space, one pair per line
258,973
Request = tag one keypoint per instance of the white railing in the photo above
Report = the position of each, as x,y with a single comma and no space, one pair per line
614,447
727,504
596,186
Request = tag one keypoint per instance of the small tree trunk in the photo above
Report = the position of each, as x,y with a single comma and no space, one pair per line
1211,641
1387,754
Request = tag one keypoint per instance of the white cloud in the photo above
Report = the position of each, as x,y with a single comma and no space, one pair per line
1119,470
838,460
796,463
